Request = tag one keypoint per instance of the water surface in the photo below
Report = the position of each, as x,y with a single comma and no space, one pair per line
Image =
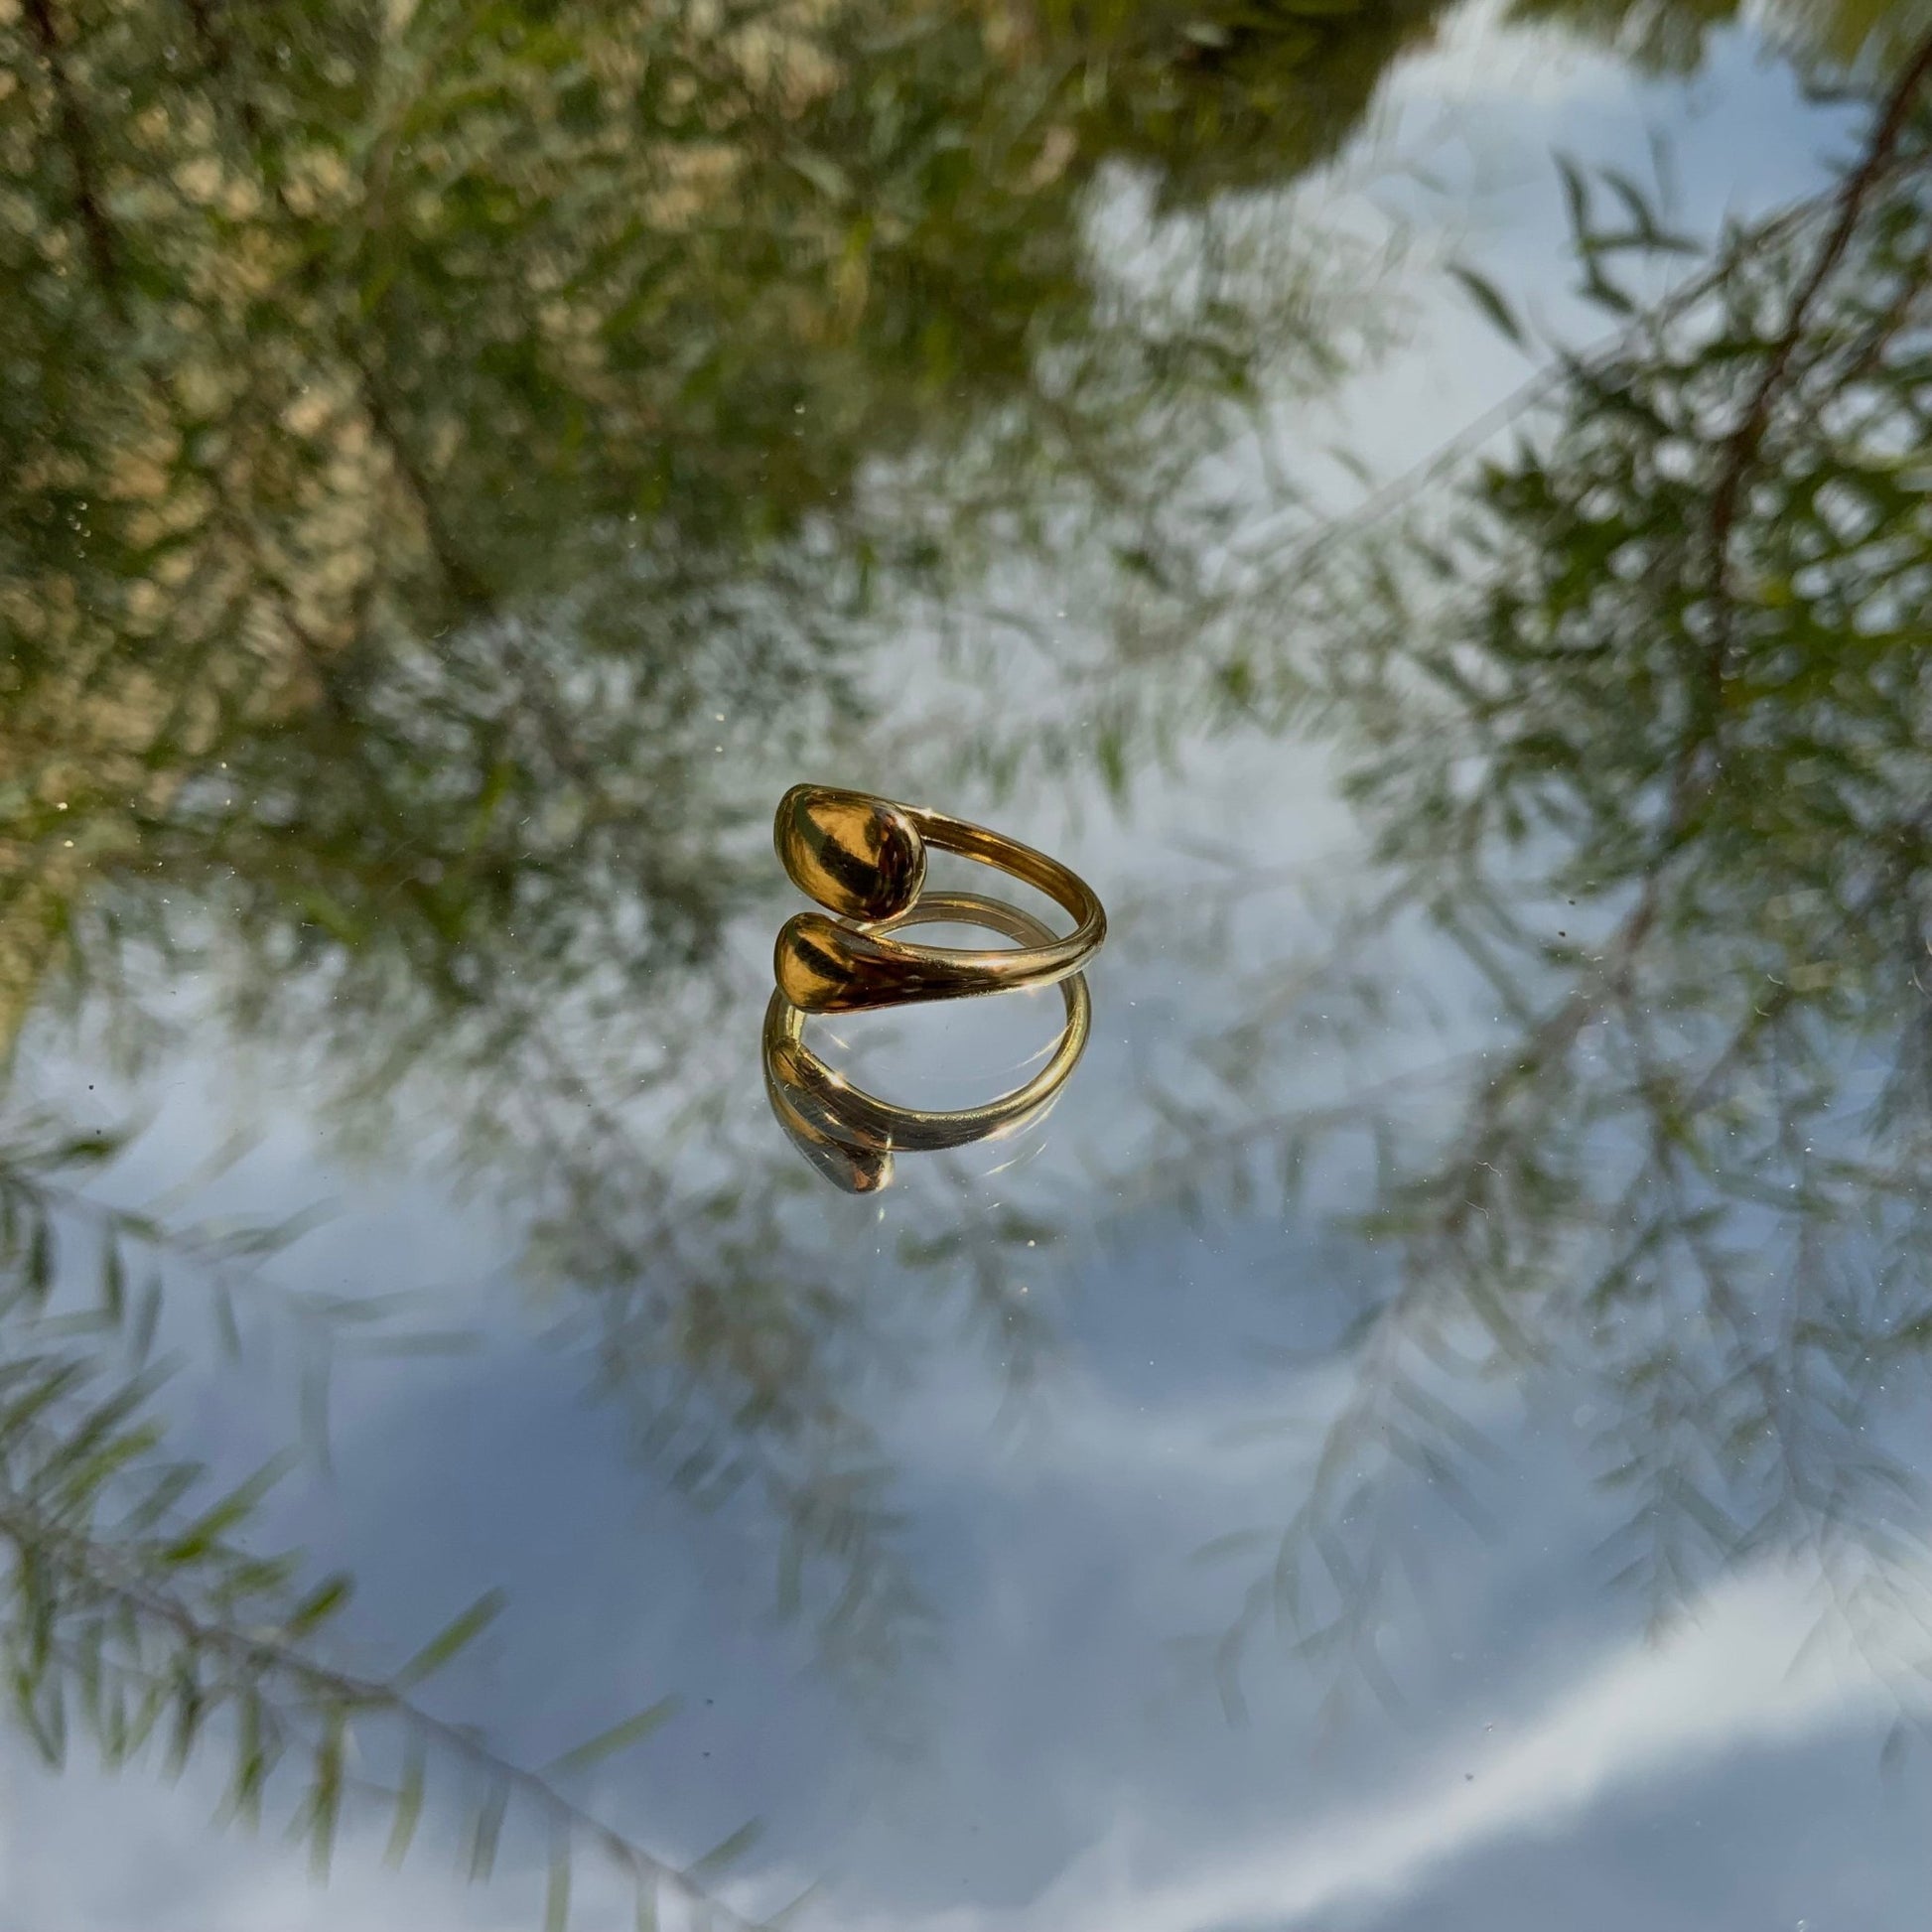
1425,507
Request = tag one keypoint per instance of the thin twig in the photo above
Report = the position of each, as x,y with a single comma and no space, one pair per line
103,247
1746,441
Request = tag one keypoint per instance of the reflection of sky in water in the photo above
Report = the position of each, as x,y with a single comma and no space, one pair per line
1069,1766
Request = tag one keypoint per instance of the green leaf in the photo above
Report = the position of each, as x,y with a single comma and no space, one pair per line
241,1502
46,1721
39,1260
1110,748
87,1150
147,1714
54,1382
486,1830
251,1760
102,1426
797,1905
147,1315
441,1648
190,1706
1575,194
722,1855
113,1281
225,1326
620,1738
1598,288
556,1895
1490,298
320,1604
409,1802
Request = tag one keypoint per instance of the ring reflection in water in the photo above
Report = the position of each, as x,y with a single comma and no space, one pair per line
851,1136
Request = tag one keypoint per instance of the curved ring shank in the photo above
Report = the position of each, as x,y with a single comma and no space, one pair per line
828,1104
824,965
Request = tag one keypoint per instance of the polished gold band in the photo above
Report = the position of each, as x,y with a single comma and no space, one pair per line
864,859
850,1135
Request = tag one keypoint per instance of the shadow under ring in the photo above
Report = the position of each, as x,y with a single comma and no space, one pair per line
816,1105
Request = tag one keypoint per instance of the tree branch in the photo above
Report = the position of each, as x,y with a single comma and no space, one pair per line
103,247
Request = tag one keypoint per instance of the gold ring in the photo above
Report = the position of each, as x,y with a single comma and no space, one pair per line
864,859
850,1135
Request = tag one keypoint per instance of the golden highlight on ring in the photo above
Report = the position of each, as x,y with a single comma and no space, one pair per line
864,859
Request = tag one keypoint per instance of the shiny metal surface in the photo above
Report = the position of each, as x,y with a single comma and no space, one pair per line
851,850
860,857
851,1136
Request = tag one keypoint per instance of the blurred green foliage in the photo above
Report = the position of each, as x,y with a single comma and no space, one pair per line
395,398
1637,726
1831,41
425,424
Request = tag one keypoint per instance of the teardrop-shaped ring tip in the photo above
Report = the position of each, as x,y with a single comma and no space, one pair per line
860,856
808,962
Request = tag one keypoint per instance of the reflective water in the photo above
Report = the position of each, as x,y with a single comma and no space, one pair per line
1423,507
